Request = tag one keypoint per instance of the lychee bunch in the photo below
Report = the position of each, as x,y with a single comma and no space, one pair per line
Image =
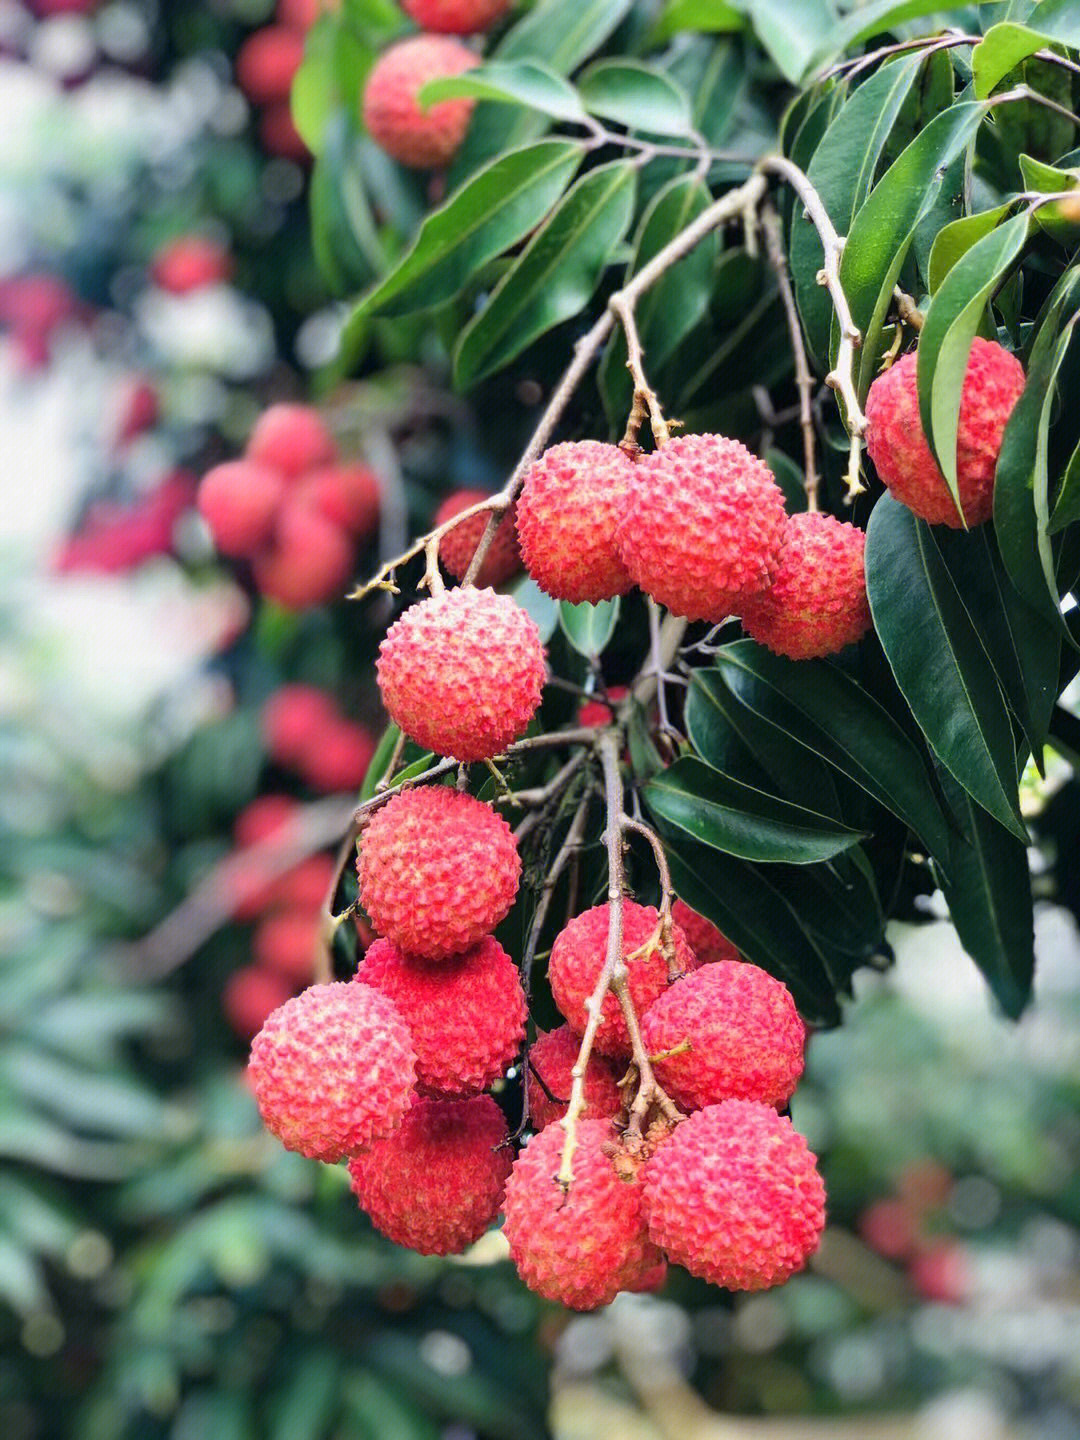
266,66
577,958
817,601
706,941
461,673
745,1038
455,17
701,526
735,1196
303,729
551,1060
567,513
438,870
333,1070
416,136
466,1015
436,1183
896,442
458,546
584,1245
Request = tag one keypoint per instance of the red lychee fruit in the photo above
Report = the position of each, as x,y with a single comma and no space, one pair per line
278,134
584,1245
346,494
415,136
888,1227
438,870
291,438
746,1039
735,1196
436,1183
651,1279
598,712
339,759
817,601
567,513
461,673
466,1014
455,17
239,501
285,943
302,14
577,957
262,817
293,719
333,1070
896,443
941,1272
457,548
552,1058
308,562
701,526
267,62
190,262
250,995
305,886
706,941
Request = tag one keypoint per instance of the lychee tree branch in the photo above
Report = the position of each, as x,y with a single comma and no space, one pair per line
646,402
329,920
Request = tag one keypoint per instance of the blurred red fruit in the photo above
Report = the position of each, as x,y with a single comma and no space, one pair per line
285,943
305,887
239,501
250,995
292,439
346,494
339,757
259,820
941,1271
302,14
116,538
137,409
190,262
279,135
887,1227
309,561
267,62
293,720
925,1185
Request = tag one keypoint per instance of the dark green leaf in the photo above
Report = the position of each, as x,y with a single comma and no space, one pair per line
344,233
791,31
1059,20
589,628
517,82
637,96
955,240
1067,505
865,21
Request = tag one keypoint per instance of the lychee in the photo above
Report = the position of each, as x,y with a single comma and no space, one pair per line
701,526
577,957
339,758
735,1196
285,943
304,887
706,941
896,443
293,719
346,494
461,673
436,1183
438,870
291,438
239,500
744,1036
552,1058
416,136
278,134
267,62
190,262
308,562
455,17
333,1070
583,1245
263,817
458,546
600,712
250,995
817,601
466,1014
570,504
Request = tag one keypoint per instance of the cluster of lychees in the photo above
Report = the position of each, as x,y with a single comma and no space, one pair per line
266,65
291,507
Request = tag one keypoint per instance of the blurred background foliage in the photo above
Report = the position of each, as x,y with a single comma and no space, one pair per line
166,1270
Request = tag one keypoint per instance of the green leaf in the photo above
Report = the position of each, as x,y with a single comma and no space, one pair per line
865,21
554,277
726,815
540,607
956,239
938,660
637,96
589,628
1051,180
1067,505
344,233
336,61
1001,48
500,205
517,82
705,16
379,761
945,342
1058,20
305,1407
791,31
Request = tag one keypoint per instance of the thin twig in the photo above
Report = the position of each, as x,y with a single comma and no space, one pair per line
804,380
646,400
330,921
541,794
383,782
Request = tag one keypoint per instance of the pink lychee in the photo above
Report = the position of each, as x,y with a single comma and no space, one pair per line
706,941
551,1059
291,438
417,136
458,546
239,501
455,17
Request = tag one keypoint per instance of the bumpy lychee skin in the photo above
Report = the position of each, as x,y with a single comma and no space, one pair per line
466,1014
458,546
577,958
567,514
896,443
455,17
702,525
411,134
436,1183
292,439
239,500
817,601
735,1196
552,1057
333,1070
438,870
746,1039
583,1246
462,672
706,941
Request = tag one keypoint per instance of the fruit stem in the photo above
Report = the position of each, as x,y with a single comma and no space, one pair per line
646,401
665,938
329,921
804,380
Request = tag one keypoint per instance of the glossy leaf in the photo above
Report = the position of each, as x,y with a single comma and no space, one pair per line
344,232
637,96
999,51
1058,20
589,628
1067,505
956,239
865,21
791,31
518,82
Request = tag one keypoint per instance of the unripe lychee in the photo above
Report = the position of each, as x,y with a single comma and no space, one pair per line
461,673
395,120
333,1070
583,1245
577,957
250,995
291,438
746,1040
190,262
896,443
436,1183
735,1196
701,526
346,494
570,504
817,601
552,1058
239,500
293,719
285,943
466,1014
309,560
455,17
458,546
706,941
339,757
438,870
267,62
